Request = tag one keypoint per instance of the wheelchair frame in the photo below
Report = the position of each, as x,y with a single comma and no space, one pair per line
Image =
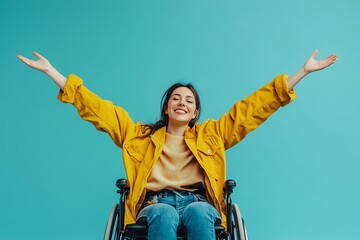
115,229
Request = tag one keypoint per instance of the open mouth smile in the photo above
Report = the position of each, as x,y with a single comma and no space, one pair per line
180,110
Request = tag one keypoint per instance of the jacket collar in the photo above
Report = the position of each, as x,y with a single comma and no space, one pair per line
158,137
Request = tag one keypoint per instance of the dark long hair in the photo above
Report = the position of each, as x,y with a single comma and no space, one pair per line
164,118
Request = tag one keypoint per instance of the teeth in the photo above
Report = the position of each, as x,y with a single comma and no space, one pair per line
179,110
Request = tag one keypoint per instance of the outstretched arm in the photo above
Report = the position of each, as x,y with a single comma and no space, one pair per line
43,65
311,65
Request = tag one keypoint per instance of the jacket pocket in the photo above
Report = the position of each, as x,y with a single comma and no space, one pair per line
210,147
136,148
211,155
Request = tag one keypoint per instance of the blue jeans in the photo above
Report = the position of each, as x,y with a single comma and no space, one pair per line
172,208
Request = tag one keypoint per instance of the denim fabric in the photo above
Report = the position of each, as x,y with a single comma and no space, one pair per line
170,209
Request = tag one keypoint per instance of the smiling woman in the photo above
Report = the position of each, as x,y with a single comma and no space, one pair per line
177,154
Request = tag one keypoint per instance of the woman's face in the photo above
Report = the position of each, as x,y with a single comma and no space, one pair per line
181,107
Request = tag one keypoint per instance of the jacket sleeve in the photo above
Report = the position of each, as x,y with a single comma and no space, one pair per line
249,113
101,113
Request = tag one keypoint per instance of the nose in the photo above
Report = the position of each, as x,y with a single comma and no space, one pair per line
182,102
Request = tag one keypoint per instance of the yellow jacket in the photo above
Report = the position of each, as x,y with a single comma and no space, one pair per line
207,141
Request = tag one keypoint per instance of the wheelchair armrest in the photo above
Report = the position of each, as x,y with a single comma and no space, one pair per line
228,190
122,183
229,186
124,189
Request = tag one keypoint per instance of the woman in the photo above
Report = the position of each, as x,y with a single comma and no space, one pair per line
175,167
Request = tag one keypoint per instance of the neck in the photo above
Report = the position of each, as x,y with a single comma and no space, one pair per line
177,129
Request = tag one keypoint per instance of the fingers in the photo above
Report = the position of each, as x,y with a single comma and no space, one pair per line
24,59
314,54
29,62
330,59
36,54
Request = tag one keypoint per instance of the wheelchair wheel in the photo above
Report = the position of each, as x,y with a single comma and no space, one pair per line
111,226
239,224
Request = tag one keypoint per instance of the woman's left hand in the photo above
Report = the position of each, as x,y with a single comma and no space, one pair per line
312,65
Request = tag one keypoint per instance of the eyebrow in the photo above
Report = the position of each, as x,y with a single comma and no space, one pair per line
177,94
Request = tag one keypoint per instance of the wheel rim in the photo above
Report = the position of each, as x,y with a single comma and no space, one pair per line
111,229
239,223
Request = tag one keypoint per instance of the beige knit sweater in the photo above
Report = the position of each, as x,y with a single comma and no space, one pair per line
176,168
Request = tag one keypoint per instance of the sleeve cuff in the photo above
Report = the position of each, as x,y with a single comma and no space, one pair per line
282,91
73,83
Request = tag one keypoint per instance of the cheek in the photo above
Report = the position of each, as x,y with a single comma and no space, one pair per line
167,110
194,111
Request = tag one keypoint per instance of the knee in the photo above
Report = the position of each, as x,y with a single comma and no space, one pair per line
200,211
199,219
162,213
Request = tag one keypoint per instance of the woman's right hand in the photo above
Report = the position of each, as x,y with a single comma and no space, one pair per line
43,65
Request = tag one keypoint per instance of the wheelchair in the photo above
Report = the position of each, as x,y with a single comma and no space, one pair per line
115,229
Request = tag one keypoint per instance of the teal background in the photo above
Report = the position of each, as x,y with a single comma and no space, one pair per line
297,174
